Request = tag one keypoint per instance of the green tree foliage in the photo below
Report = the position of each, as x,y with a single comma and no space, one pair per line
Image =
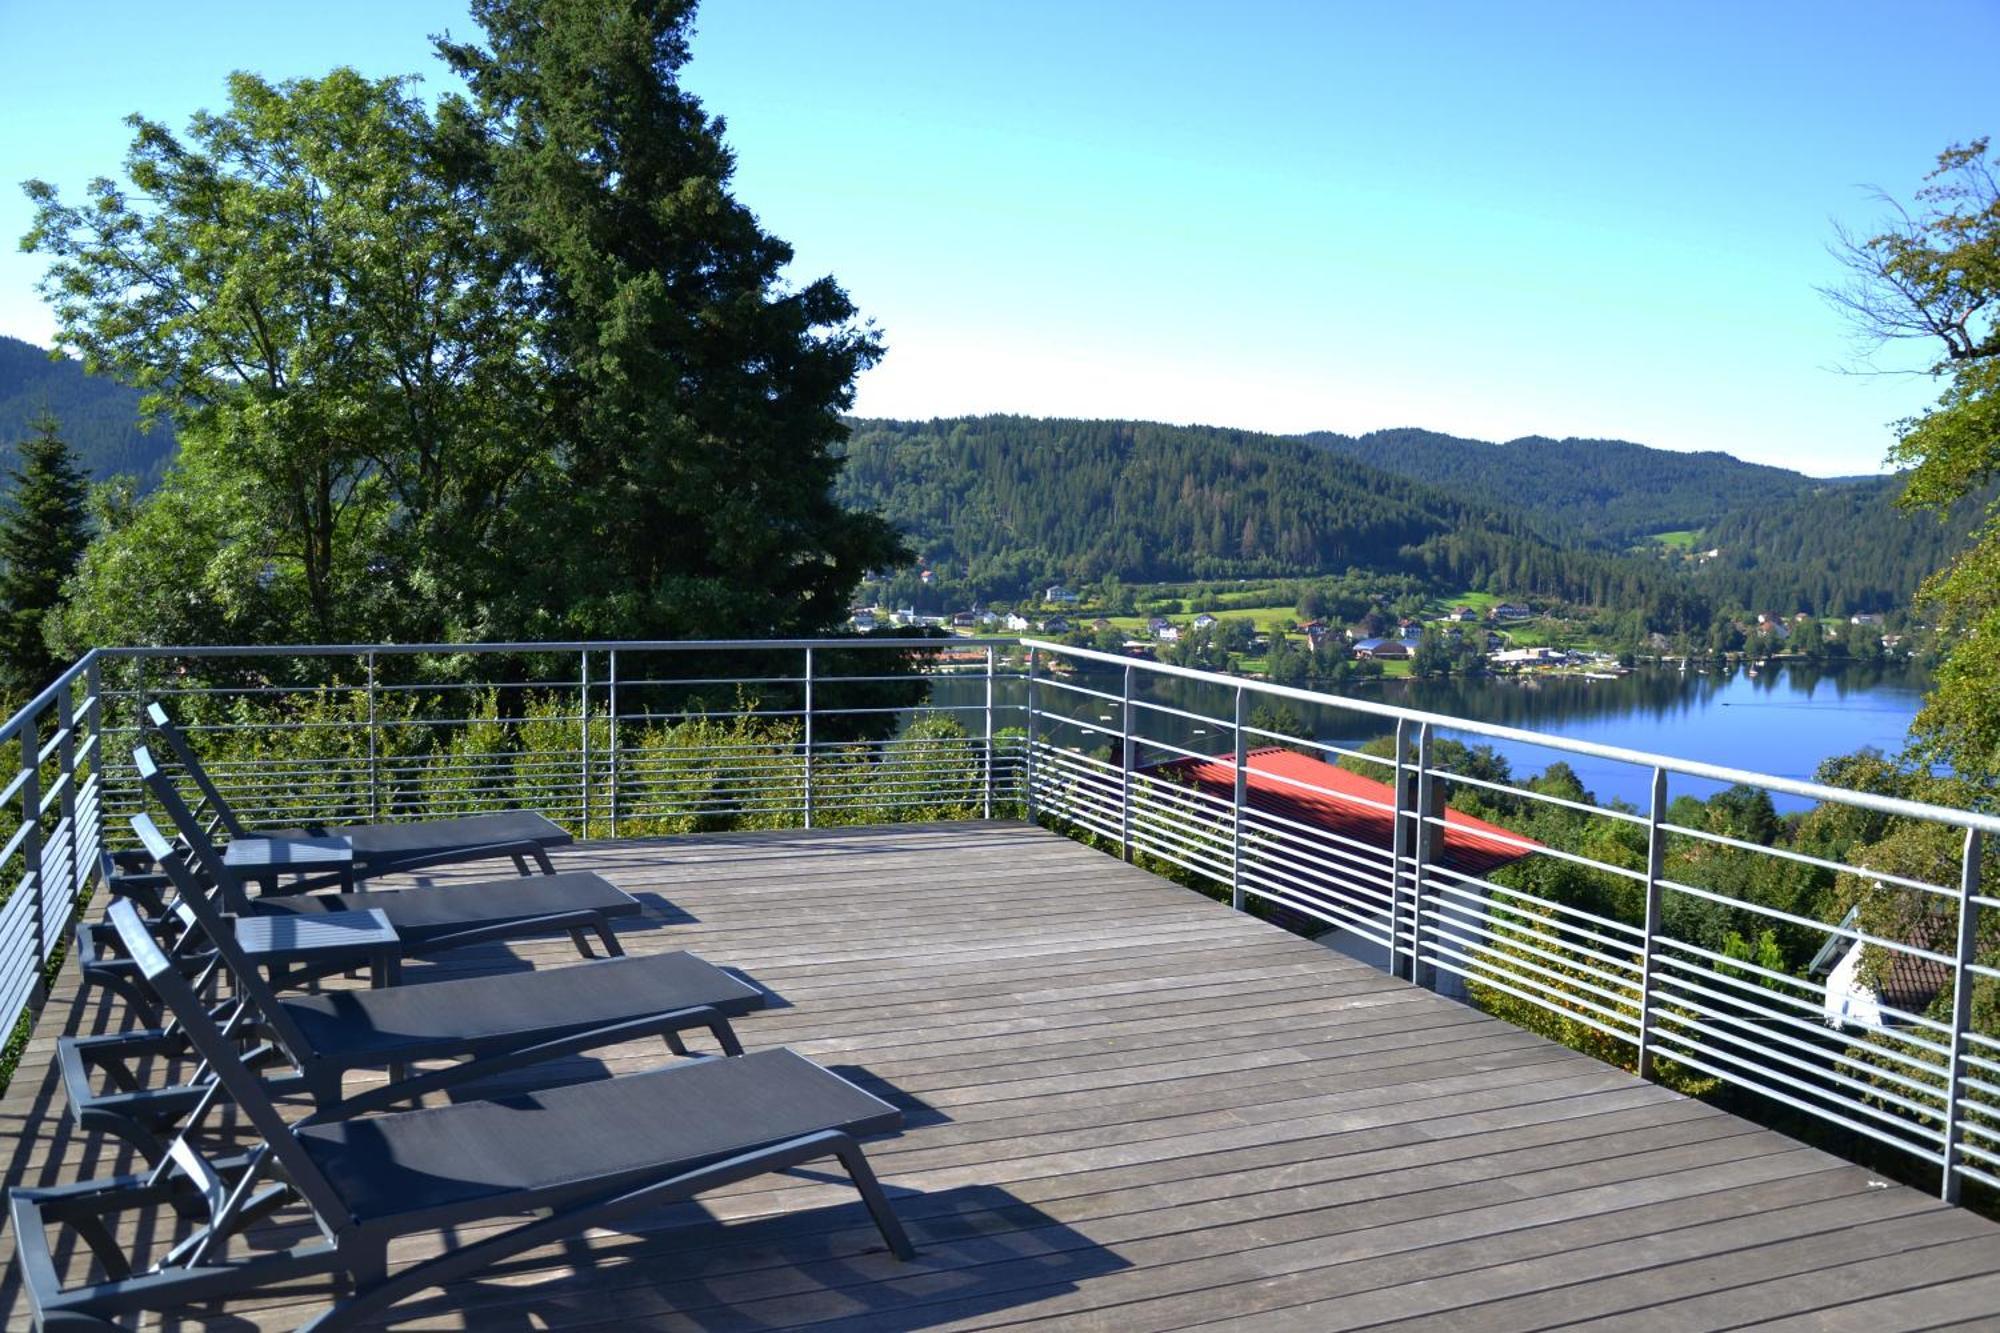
304,287
519,368
1934,274
693,397
43,530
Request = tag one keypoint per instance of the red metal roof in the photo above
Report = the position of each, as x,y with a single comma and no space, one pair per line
1311,791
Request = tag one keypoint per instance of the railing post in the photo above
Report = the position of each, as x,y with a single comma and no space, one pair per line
1240,788
374,774
31,847
1125,756
1028,777
809,738
583,738
613,683
1656,860
1399,851
1421,974
66,784
1961,1011
93,714
987,799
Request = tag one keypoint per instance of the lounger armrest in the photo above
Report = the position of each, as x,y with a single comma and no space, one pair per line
518,928
523,849
147,890
471,1071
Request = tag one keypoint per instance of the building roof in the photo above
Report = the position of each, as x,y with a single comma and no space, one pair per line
1346,803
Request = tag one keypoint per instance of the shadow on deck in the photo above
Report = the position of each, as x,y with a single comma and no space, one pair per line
1131,1108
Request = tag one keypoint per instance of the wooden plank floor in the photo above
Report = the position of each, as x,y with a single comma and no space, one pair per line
1133,1109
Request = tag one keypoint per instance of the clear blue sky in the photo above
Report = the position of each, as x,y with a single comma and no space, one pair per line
1495,220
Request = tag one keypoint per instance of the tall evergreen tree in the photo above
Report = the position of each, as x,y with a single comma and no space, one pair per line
696,397
43,530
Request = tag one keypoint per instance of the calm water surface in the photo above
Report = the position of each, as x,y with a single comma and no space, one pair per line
1784,721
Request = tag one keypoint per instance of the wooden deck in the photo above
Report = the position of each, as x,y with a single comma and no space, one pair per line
1131,1109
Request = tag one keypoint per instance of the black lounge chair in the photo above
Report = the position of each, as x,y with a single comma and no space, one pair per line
585,1155
392,848
323,1037
429,919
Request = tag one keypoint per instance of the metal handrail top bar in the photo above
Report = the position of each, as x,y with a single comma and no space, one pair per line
1888,805
547,646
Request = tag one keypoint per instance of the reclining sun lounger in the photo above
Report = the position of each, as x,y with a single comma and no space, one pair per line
584,1155
393,848
429,920
323,1037
443,916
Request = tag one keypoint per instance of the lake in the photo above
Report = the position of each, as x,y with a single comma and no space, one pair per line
1784,721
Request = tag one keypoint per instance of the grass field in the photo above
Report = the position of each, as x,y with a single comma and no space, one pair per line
1680,540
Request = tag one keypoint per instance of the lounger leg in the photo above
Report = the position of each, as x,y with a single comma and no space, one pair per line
870,1189
371,1299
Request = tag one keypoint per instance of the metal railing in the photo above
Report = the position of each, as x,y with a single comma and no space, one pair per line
51,813
1600,926
1117,747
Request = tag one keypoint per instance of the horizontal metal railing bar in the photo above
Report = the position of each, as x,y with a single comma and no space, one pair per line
1746,1073
1339,798
1435,928
1588,1019
870,643
1779,914
1071,687
1804,858
1511,928
1544,798
1759,1039
1771,1025
1186,715
1723,774
1456,878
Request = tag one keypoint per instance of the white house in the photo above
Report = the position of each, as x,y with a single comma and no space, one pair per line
1204,621
1016,622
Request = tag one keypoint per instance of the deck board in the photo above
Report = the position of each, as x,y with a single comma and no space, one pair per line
1131,1108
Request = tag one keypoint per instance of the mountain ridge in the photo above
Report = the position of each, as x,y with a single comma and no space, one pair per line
99,416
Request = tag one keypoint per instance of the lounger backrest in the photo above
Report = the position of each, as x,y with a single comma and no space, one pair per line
207,858
199,900
243,1085
177,741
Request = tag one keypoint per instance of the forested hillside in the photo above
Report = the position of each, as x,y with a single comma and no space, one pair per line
100,417
1014,498
1607,491
1843,549
999,504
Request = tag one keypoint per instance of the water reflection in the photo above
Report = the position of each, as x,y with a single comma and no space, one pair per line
1783,721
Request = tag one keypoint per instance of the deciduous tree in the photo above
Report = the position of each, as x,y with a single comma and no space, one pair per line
1933,274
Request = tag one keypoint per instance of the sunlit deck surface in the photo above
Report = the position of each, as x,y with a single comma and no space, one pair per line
1131,1108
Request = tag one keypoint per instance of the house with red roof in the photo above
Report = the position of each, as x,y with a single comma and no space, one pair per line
1303,794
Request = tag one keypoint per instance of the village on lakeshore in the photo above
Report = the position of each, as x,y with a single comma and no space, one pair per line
1250,629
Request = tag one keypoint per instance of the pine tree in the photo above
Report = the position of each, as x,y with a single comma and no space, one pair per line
43,530
695,393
